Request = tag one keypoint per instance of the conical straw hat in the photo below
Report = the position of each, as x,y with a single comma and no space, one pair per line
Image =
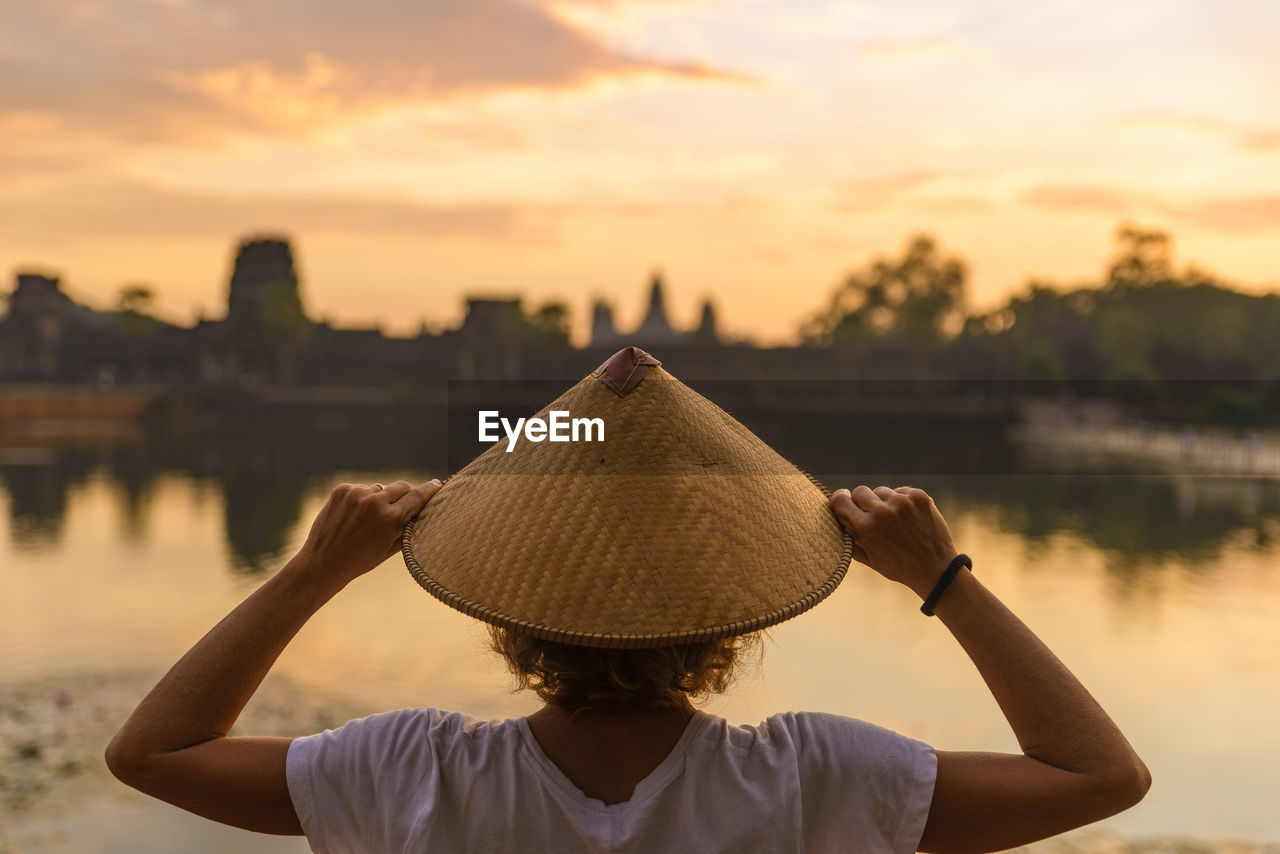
680,526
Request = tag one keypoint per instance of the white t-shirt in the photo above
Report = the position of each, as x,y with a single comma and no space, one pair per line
426,780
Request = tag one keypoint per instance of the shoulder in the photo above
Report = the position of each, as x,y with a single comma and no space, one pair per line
811,728
859,780
404,732
828,739
822,745
851,779
800,731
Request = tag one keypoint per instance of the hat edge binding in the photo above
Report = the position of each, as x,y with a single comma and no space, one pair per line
599,640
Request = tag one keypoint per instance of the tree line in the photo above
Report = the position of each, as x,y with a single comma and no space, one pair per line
1182,342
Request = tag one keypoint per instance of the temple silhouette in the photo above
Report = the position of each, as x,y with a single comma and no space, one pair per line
266,379
268,339
655,331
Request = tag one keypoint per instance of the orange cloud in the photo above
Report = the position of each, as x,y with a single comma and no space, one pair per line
1260,211
924,190
923,50
196,73
1249,138
1238,212
1104,199
128,209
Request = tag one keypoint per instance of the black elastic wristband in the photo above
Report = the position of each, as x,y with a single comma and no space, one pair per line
931,601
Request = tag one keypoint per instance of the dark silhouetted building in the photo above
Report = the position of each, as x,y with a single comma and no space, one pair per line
655,331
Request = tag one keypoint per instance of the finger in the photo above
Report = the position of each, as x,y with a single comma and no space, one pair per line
865,498
885,494
361,490
860,555
916,496
849,514
396,491
415,499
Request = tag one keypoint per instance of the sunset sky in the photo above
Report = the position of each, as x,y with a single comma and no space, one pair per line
753,150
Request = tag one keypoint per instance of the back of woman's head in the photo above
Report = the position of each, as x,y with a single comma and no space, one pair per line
579,678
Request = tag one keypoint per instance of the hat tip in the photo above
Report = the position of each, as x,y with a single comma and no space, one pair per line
624,370
635,354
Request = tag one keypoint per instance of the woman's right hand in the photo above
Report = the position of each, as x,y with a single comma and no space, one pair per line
897,532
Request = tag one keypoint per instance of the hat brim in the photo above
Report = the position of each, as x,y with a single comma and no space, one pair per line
684,526
622,640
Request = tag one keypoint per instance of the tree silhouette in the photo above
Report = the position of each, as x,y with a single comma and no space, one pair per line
133,316
917,299
550,323
135,299
1145,257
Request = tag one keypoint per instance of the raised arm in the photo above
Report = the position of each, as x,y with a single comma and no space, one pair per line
1075,767
175,745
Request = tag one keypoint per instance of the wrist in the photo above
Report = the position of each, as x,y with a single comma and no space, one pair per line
314,576
957,594
957,565
922,585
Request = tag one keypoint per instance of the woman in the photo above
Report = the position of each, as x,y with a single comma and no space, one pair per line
618,758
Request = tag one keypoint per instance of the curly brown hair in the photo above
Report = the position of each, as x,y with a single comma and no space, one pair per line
578,678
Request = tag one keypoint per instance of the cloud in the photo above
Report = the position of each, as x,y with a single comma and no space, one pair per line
1070,196
921,189
136,211
1239,212
621,5
1246,212
170,71
1260,139
926,50
893,183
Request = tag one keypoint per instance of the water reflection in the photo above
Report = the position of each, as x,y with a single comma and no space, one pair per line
261,509
263,473
1156,590
38,498
262,468
1146,518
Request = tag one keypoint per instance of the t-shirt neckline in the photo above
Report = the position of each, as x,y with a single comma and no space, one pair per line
654,782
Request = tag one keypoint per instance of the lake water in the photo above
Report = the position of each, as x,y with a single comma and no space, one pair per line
1159,591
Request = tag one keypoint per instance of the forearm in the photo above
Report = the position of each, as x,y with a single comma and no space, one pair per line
202,695
1053,716
175,745
1076,766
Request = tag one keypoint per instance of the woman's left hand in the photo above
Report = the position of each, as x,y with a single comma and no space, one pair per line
359,526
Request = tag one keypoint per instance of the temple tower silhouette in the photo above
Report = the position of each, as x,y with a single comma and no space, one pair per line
655,329
706,332
264,295
603,331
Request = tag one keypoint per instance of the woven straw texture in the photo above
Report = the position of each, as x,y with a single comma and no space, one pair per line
682,525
